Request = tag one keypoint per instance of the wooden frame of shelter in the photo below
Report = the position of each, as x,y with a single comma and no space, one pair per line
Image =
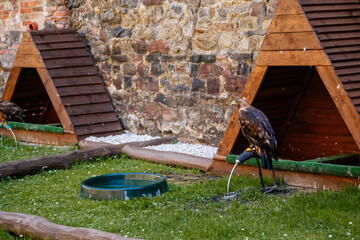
306,79
54,80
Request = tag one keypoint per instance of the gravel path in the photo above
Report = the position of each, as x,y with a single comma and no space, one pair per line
192,149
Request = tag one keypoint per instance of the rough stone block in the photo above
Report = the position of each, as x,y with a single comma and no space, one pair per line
197,85
119,58
241,56
148,83
235,84
161,46
129,69
151,112
139,46
203,58
258,9
142,69
194,70
117,83
205,70
127,81
243,69
168,101
213,86
169,115
120,32
152,2
156,68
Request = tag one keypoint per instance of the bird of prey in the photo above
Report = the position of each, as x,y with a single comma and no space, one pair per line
10,110
257,130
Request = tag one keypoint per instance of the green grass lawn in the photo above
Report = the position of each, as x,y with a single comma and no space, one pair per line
192,209
9,152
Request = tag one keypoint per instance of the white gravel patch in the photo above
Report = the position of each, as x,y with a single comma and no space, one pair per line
123,138
192,149
180,147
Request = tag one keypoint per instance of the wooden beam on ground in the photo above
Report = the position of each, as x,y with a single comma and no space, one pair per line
40,228
169,158
22,168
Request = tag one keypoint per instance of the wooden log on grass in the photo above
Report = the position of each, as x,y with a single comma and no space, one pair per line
22,168
169,158
40,228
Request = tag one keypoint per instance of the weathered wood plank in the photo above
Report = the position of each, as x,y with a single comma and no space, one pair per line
289,23
291,58
55,99
27,48
73,81
340,43
341,100
81,90
98,128
290,41
253,83
28,61
73,72
11,83
333,22
69,62
90,109
288,7
341,28
85,99
90,119
56,38
65,53
58,46
52,32
339,36
327,2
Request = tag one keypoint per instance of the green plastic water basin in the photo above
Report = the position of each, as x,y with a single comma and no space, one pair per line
123,186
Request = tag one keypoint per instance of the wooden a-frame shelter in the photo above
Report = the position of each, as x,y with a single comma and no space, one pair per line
54,80
306,79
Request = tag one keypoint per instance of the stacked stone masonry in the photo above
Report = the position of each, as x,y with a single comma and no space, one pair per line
170,66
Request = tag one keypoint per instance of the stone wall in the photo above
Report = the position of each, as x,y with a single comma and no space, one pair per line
170,65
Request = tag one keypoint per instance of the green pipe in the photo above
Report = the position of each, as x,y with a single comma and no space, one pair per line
306,167
36,127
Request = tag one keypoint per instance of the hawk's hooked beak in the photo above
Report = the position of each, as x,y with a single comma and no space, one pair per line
233,103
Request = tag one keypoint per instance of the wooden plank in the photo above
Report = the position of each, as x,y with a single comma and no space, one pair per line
288,7
27,48
253,83
68,62
26,37
342,50
340,28
327,2
333,22
291,58
98,128
56,38
289,23
90,119
58,46
250,90
337,14
73,81
65,53
340,43
44,137
341,100
52,32
330,7
73,72
349,78
290,41
11,83
348,71
28,61
340,36
55,99
344,56
290,178
85,99
90,109
102,134
81,90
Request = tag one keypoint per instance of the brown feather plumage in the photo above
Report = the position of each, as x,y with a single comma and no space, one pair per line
10,110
